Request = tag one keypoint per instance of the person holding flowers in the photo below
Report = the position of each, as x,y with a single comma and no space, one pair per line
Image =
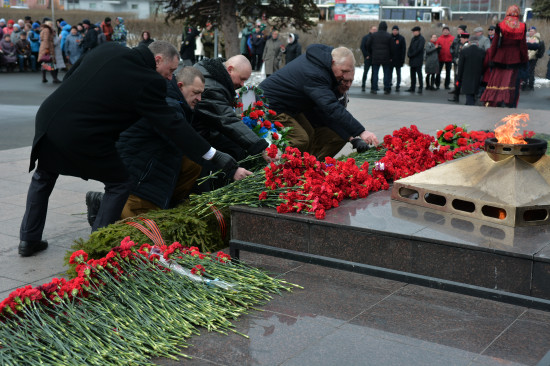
307,83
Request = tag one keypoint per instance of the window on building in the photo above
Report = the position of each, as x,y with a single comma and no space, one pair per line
92,5
134,6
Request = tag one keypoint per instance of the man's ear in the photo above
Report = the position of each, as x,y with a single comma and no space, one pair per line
230,68
158,59
180,84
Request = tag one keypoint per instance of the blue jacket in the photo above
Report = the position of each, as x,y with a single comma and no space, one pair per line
64,33
34,39
307,83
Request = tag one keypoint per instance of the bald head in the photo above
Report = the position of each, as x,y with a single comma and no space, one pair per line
343,63
239,70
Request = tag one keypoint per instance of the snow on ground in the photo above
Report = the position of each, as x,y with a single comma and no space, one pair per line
258,77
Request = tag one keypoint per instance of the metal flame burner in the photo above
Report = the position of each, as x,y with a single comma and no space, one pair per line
508,184
530,152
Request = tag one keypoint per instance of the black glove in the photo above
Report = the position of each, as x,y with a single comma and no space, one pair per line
224,162
359,145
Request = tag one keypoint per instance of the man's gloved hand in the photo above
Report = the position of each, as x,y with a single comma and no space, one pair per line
359,145
224,162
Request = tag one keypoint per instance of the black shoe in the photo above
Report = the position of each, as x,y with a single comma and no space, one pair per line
435,88
419,91
453,100
373,91
44,80
387,91
410,90
396,88
28,248
362,88
57,81
93,202
448,88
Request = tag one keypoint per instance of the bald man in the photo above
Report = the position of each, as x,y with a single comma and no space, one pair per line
215,118
311,82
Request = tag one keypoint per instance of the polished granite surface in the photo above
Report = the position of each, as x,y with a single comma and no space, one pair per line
343,318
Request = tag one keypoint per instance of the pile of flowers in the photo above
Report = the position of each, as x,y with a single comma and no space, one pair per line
298,182
260,119
138,302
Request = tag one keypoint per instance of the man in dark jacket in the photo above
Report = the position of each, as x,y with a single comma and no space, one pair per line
379,49
293,49
90,37
366,60
470,69
464,38
258,44
215,118
416,59
77,137
309,82
188,45
399,51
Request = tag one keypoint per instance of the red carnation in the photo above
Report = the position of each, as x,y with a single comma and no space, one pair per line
462,142
275,136
278,124
263,195
449,127
439,133
448,136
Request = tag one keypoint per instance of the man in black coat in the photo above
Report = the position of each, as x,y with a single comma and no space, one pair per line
309,82
399,51
188,45
90,37
470,69
366,60
78,124
416,59
215,117
379,49
258,45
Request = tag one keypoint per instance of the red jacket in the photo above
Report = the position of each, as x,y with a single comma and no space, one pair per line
507,50
445,50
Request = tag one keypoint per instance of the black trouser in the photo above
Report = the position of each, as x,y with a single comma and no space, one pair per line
430,81
366,68
398,73
416,71
257,64
470,99
41,187
448,66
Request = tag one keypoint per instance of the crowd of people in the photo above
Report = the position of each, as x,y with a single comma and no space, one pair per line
34,45
488,65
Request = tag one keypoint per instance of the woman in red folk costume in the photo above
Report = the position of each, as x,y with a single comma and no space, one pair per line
508,53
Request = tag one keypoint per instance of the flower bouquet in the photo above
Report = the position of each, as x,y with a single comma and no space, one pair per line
260,119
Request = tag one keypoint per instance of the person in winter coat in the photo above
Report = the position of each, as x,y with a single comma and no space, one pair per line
215,118
8,29
47,55
307,83
107,29
90,36
431,62
24,56
34,38
272,53
119,32
59,59
533,44
379,49
444,43
146,39
187,49
258,45
69,140
399,51
66,30
464,39
8,56
456,47
507,54
245,36
484,42
208,38
366,60
16,33
470,69
416,59
72,46
293,49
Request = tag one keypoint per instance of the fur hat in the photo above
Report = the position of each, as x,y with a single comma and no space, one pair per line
416,29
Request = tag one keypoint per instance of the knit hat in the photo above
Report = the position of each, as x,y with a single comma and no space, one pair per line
87,22
107,19
465,35
533,28
16,26
395,27
35,25
11,21
492,27
63,23
2,20
416,29
463,27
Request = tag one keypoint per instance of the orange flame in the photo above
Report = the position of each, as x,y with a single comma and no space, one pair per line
507,133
